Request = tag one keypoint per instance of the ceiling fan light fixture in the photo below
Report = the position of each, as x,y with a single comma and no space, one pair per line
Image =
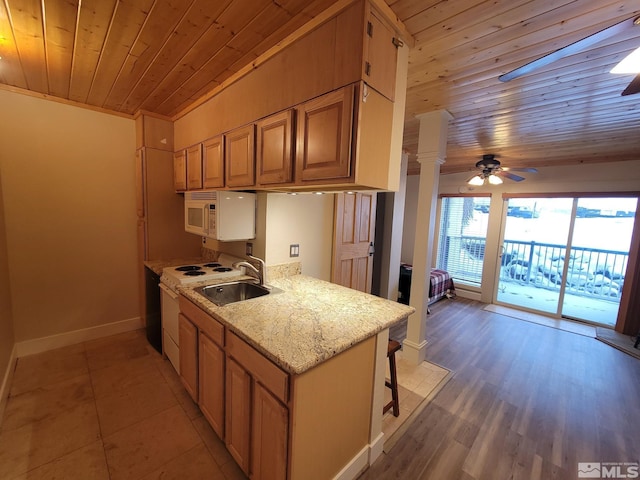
494,180
476,181
629,64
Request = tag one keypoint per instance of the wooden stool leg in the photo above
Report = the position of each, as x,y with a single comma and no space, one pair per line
393,383
394,386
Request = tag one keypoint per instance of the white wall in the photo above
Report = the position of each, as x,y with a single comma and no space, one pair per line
304,219
68,183
409,231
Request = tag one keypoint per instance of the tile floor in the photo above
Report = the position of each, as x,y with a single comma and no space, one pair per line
415,384
109,409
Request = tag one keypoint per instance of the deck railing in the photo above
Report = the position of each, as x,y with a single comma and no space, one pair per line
590,272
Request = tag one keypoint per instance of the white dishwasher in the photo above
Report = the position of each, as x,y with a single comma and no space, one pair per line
170,337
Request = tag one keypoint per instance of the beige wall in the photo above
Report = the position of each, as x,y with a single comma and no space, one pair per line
69,197
6,317
609,177
307,220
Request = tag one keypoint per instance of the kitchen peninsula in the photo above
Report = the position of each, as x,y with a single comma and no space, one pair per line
292,381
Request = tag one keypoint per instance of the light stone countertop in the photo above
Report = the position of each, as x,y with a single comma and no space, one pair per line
307,323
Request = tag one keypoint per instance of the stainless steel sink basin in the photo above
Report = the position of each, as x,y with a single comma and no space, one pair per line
225,293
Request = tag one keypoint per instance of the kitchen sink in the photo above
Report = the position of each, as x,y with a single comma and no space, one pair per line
225,293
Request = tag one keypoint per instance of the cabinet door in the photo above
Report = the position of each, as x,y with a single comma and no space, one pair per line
270,436
381,56
238,413
188,336
194,167
274,155
324,137
211,385
180,171
239,157
140,182
213,163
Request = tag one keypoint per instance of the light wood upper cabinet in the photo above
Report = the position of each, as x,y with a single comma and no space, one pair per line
194,167
274,150
211,376
140,182
239,157
180,171
324,137
213,163
188,335
380,55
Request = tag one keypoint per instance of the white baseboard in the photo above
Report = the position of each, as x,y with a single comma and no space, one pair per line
6,381
376,448
39,345
471,295
355,467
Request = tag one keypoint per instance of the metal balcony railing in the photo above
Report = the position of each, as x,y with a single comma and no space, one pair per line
593,273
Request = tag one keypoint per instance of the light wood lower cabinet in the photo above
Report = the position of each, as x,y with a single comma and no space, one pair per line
277,426
188,335
269,436
238,415
211,366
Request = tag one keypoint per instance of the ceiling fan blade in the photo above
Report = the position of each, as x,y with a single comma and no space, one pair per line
633,87
570,49
511,176
530,170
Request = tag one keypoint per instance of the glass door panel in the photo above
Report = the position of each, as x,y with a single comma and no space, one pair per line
598,259
536,232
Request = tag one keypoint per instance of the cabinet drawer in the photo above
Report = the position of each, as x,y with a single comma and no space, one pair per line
262,369
204,322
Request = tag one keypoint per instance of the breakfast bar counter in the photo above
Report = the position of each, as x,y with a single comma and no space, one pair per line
306,323
292,381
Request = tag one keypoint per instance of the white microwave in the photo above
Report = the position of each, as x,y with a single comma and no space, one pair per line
221,215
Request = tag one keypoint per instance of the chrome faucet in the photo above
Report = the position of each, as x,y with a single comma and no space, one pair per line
259,273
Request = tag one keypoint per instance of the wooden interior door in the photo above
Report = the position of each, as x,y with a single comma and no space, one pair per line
353,242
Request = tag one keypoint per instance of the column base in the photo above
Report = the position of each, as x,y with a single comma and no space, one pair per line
414,352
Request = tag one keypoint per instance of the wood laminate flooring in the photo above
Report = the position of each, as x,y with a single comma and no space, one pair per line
526,402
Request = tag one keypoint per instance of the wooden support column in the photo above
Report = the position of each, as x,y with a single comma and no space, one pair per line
432,145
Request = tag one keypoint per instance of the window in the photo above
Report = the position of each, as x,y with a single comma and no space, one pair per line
463,233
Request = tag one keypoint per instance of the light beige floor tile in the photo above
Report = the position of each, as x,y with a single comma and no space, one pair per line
194,464
118,378
85,463
173,380
137,450
113,350
213,443
48,368
46,402
126,407
35,444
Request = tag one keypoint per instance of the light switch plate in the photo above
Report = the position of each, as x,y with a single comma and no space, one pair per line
294,250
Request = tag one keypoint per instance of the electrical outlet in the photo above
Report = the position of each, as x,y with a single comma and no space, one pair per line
249,248
294,250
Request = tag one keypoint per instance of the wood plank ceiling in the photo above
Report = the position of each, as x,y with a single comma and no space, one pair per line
162,55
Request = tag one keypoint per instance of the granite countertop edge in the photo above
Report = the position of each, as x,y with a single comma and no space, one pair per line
306,322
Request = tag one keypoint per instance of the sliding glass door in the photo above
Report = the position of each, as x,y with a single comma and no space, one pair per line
566,256
535,237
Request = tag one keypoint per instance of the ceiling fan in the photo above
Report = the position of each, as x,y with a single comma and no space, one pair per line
573,48
491,171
